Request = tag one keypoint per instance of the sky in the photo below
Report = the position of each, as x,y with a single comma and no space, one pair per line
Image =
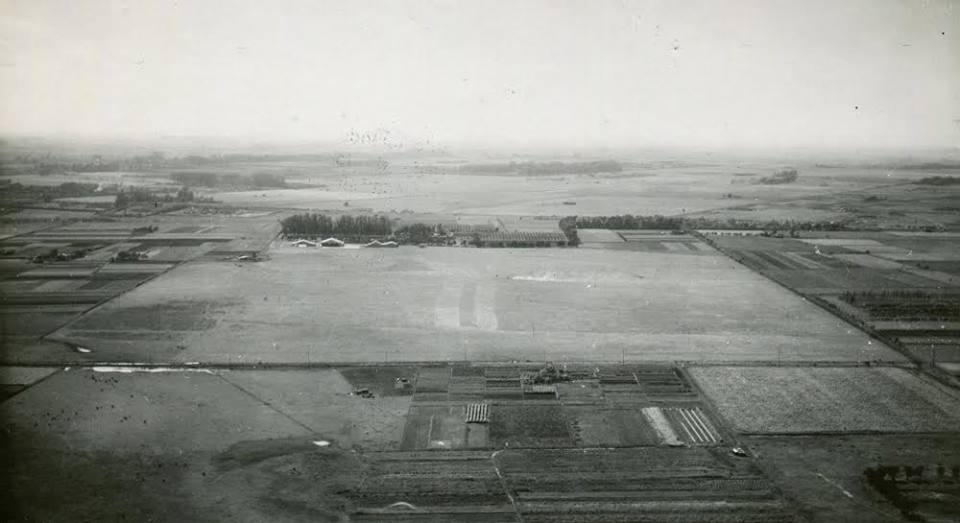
720,73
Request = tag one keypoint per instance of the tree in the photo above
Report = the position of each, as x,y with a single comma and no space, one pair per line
185,194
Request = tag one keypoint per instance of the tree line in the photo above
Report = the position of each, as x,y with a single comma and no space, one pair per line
137,195
629,221
531,168
213,179
33,193
313,225
365,227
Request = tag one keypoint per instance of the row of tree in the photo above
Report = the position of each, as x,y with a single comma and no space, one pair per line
896,295
364,227
213,179
629,221
312,225
939,180
780,177
532,168
138,195
35,193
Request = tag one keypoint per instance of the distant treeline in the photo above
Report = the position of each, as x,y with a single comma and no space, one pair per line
48,163
43,193
313,225
939,180
778,178
137,195
531,168
629,221
213,179
46,166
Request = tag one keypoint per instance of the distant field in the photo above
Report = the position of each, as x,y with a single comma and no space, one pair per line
812,399
638,190
439,304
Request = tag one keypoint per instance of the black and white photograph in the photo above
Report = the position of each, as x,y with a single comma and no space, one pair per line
480,261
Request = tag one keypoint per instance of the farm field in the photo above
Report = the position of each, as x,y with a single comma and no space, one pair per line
442,304
246,437
323,384
38,298
870,278
825,474
438,189
829,399
437,261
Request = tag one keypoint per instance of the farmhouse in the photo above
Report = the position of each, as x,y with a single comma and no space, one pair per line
303,243
331,242
523,239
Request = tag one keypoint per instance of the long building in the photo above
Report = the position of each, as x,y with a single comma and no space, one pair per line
523,239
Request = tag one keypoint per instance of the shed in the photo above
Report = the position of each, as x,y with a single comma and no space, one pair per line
331,242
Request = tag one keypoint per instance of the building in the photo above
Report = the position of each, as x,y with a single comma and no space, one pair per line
523,239
303,243
331,242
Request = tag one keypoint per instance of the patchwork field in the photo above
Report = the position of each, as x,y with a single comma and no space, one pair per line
902,285
271,444
693,387
40,291
440,304
829,399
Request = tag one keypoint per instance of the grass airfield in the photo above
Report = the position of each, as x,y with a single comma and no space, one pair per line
448,304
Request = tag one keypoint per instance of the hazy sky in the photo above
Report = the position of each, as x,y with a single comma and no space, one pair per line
860,73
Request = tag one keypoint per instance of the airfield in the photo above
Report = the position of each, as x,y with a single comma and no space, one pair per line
339,384
448,304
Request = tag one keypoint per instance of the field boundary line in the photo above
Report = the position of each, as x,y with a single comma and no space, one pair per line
504,485
850,433
266,403
103,302
31,385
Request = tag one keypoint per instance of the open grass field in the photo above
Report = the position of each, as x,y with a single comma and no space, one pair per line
440,304
824,399
825,474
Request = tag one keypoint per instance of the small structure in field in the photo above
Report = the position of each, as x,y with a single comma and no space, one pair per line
376,244
303,243
331,242
477,413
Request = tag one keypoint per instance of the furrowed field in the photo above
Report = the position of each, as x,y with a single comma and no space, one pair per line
810,400
440,304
